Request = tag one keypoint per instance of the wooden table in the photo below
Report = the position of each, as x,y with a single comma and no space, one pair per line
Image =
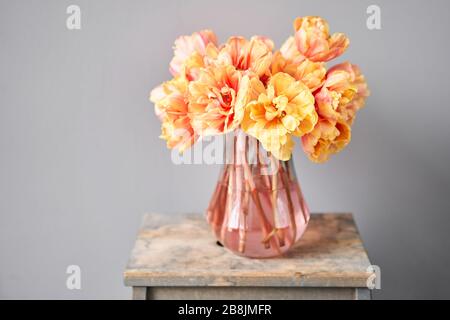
177,257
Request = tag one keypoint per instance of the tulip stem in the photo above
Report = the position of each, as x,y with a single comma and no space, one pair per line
286,183
265,224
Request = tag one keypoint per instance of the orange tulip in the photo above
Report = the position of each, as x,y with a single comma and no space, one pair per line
312,74
189,52
348,112
327,138
172,109
314,41
214,104
250,56
343,93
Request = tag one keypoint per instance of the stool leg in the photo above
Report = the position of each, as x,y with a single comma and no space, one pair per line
139,293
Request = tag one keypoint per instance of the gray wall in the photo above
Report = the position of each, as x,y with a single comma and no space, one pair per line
81,160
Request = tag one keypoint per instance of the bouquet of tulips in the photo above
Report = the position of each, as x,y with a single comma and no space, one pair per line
273,96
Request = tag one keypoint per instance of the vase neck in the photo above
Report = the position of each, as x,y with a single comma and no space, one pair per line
241,149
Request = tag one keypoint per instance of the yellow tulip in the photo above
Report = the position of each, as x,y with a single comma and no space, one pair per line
276,113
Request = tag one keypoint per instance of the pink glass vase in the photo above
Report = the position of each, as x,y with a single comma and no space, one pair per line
257,209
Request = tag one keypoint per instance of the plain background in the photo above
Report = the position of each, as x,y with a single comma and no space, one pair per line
81,160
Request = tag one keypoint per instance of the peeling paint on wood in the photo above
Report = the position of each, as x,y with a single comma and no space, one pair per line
180,250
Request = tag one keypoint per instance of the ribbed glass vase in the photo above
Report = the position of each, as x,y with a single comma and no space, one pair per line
257,209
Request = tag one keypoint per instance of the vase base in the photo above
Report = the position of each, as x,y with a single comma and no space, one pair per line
252,246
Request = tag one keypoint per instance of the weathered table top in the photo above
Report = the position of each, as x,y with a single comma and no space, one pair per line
180,250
